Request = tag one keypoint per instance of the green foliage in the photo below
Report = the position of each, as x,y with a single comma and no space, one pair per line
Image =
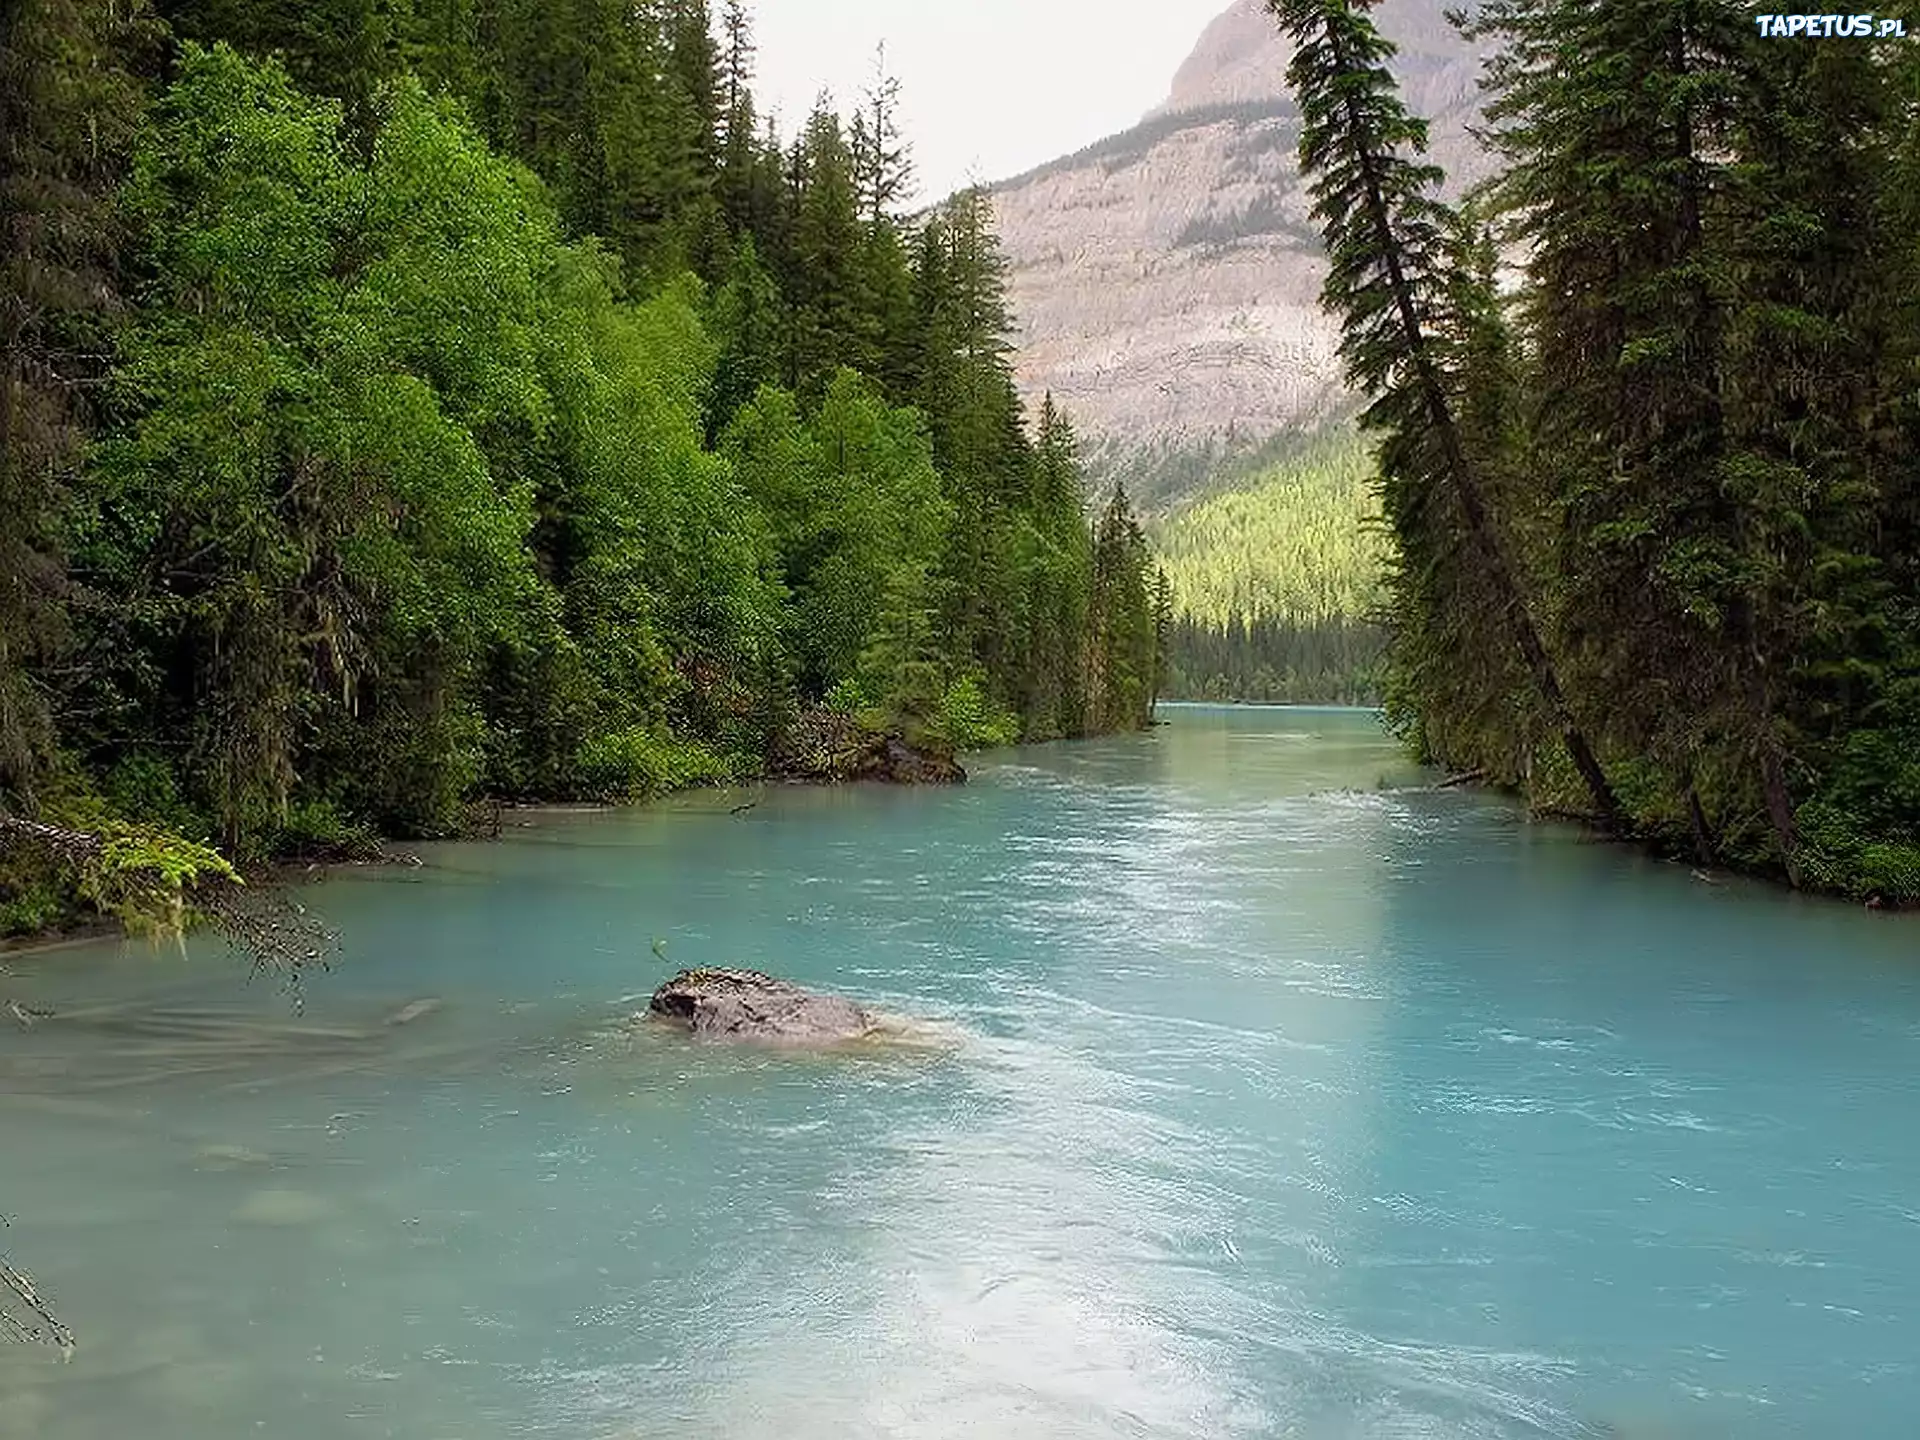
1648,509
965,718
496,410
33,903
1274,586
69,101
847,697
901,669
142,875
142,783
1328,662
1300,543
851,495
1123,668
637,764
1862,828
318,829
85,859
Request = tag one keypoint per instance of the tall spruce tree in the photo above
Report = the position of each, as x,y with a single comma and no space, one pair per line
1386,240
1621,168
823,276
739,135
882,159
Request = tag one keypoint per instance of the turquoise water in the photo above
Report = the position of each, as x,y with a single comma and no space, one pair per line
1253,1099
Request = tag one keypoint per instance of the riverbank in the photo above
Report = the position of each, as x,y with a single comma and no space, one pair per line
1674,839
822,747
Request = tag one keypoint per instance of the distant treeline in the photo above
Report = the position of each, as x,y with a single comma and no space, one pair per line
410,402
1273,584
1329,662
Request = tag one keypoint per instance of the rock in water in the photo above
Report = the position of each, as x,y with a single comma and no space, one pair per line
904,763
746,1005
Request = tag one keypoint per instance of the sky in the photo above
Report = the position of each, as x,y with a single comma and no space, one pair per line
989,87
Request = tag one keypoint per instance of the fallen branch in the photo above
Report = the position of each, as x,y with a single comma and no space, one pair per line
158,883
25,1315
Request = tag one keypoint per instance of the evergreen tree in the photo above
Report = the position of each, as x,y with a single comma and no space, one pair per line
1620,171
966,389
1122,656
69,97
739,135
1808,279
1385,240
341,48
823,276
748,322
882,160
428,470
1162,636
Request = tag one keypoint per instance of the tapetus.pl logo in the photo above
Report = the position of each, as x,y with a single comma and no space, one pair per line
1821,27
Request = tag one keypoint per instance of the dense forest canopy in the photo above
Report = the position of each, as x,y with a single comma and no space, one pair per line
1655,510
414,401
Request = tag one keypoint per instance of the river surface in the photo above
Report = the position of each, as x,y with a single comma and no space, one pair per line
1256,1093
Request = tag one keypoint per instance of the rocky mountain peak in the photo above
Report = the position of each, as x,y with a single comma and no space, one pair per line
1167,278
1242,57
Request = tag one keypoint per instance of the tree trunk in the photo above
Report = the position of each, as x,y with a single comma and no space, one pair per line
1480,525
1704,849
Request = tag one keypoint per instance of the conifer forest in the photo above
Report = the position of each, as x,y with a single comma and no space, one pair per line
1647,410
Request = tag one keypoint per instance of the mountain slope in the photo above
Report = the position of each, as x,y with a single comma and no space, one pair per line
1167,279
1273,581
1299,542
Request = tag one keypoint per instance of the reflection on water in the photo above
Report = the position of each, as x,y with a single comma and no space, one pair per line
1244,1094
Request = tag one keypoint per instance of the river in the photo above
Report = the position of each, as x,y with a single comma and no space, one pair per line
1263,1094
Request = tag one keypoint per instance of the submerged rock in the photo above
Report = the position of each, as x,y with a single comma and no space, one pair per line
284,1207
746,1005
231,1157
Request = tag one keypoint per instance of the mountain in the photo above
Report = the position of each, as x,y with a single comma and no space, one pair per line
1167,278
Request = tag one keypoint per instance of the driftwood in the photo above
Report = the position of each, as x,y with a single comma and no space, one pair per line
25,1314
825,747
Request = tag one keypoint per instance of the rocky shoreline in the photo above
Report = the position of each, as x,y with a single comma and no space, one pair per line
826,747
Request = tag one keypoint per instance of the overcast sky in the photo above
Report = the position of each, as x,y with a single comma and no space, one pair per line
991,87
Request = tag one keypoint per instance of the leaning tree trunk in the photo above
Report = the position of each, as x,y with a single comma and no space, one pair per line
1480,524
